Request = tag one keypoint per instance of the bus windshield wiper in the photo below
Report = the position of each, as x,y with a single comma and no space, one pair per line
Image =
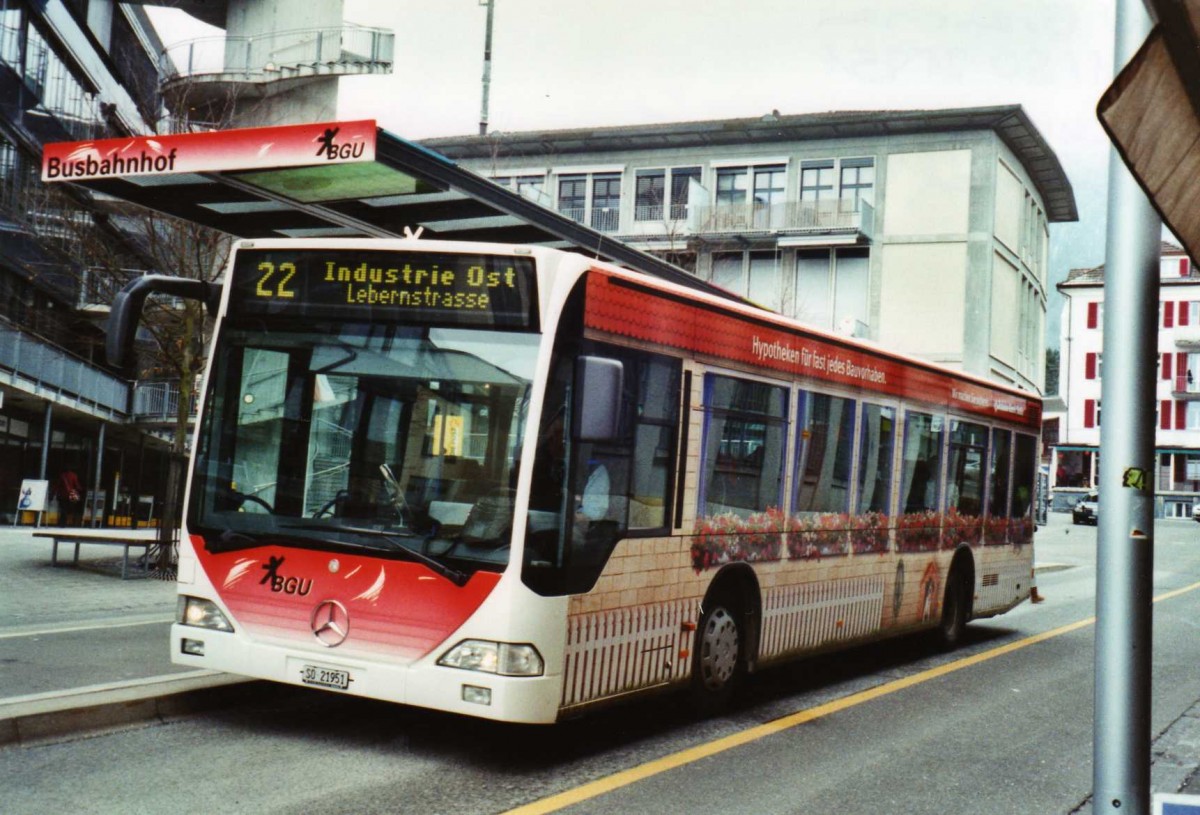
229,540
455,576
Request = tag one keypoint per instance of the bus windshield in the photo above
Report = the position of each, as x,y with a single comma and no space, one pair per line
392,439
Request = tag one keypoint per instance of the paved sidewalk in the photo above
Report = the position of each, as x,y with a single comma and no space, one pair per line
79,646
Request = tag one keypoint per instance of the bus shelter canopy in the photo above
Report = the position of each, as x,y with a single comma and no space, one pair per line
332,179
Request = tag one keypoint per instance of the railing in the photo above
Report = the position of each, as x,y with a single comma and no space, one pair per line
574,213
794,216
1186,386
606,219
281,54
159,401
36,367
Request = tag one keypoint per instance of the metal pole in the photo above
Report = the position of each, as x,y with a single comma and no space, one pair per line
487,67
98,480
46,436
1125,559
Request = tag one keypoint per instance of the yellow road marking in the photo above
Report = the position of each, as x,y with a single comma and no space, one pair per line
600,786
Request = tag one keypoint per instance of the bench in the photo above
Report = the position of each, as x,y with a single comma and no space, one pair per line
125,540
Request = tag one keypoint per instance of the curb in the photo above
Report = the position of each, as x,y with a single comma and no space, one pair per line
27,720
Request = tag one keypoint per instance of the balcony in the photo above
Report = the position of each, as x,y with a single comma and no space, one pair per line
811,219
36,367
275,56
1183,388
157,402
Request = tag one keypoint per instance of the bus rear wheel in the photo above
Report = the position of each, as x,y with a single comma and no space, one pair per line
718,664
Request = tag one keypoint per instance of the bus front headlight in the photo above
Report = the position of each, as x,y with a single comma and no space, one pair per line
200,613
501,658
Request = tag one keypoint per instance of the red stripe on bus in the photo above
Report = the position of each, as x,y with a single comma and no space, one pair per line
638,312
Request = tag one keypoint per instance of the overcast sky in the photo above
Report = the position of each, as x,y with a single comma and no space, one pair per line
578,64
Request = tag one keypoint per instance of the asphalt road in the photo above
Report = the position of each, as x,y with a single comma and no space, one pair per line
1003,725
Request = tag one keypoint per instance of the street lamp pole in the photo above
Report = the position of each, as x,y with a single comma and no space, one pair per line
1125,557
487,65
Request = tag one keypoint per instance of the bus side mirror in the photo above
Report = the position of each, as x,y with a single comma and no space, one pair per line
599,383
127,309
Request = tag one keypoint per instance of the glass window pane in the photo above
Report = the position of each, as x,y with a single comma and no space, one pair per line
824,459
997,526
1024,473
650,189
968,451
875,458
998,496
681,179
728,271
745,427
731,185
919,527
764,280
813,302
851,280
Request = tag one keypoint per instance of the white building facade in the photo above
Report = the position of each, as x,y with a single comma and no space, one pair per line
1075,461
924,231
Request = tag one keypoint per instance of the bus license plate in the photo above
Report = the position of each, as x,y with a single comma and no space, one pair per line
325,677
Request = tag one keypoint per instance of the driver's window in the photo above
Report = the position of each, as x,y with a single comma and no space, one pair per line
261,413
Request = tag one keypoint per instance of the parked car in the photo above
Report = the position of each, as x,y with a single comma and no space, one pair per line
1196,511
1087,509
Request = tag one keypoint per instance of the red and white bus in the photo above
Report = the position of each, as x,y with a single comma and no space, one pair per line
516,483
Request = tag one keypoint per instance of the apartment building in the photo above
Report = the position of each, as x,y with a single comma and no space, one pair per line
70,70
924,231
73,70
1075,460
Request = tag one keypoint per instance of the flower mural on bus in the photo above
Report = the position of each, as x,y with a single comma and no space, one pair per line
730,538
761,537
919,531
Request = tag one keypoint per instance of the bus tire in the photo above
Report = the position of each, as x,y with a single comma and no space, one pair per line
956,609
719,656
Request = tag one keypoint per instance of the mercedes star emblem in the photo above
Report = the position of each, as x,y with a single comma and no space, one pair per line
330,623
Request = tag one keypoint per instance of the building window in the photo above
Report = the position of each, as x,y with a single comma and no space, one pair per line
731,186
572,196
606,202
1192,416
817,181
754,275
858,183
10,36
768,196
650,189
728,271
593,199
831,290
656,198
1074,469
681,182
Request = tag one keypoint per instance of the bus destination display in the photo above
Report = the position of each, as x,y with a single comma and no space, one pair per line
435,288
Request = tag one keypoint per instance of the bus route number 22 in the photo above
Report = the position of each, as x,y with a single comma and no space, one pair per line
279,286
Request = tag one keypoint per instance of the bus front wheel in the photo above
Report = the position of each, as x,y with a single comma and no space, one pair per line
718,663
956,608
